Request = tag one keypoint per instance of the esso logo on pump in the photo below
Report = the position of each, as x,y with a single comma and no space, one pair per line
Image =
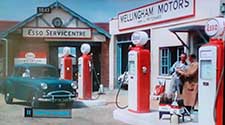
215,27
211,27
85,48
139,38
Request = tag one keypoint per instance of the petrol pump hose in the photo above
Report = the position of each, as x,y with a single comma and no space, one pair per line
95,74
93,71
117,95
217,92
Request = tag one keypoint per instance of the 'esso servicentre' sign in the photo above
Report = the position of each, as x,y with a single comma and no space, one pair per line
215,27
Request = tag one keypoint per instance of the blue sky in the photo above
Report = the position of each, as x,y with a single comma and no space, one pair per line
93,10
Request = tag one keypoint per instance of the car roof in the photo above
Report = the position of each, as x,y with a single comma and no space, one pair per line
28,65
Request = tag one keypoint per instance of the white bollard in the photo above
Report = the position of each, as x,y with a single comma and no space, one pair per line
174,119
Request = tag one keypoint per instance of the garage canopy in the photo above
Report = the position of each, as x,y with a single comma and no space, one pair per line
199,29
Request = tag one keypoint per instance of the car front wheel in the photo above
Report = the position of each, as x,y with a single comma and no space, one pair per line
8,98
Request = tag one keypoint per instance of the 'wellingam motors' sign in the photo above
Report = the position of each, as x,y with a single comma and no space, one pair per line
162,11
77,33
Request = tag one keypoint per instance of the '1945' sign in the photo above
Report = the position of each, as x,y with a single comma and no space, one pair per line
43,10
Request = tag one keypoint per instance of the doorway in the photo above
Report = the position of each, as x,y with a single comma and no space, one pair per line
122,57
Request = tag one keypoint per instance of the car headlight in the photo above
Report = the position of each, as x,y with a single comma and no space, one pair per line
44,86
74,85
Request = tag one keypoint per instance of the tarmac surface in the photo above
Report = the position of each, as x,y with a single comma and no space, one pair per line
13,114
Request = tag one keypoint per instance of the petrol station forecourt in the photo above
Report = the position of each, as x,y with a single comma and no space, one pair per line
138,50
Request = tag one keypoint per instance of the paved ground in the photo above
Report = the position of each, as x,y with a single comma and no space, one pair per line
97,115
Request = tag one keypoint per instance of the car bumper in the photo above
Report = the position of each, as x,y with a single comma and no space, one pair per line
56,97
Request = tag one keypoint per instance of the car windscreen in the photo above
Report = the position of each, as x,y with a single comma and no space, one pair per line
40,72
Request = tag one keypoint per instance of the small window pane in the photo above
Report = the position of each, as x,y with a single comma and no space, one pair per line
168,56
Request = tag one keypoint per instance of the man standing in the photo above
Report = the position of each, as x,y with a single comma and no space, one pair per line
190,87
176,83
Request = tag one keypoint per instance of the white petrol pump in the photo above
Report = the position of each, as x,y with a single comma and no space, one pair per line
139,74
211,74
84,73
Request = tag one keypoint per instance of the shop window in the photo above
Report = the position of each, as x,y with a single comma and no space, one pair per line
168,56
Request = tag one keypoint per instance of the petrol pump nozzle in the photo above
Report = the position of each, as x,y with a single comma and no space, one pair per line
144,69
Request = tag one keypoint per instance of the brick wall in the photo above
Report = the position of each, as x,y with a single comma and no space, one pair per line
18,44
1,50
105,63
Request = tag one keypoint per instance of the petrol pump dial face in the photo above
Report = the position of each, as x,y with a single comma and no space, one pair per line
206,69
132,67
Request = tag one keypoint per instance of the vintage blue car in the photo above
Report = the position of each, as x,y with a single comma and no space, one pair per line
37,83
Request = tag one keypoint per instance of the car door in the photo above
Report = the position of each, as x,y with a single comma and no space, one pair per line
22,84
12,82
